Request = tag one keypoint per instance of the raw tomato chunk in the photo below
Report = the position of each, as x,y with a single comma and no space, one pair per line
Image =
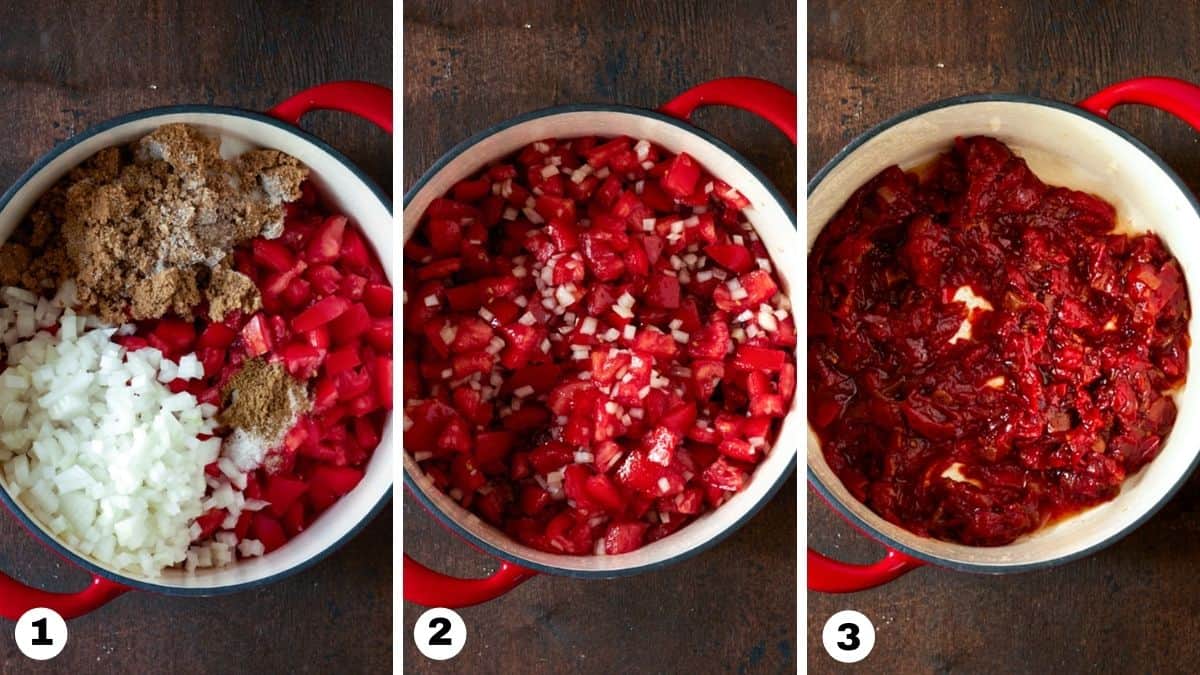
257,335
282,493
747,357
209,522
350,324
272,254
327,242
269,531
321,313
301,360
378,299
735,258
216,336
342,359
624,537
336,479
175,336
680,179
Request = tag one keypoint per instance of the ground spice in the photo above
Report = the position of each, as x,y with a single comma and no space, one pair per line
263,400
145,229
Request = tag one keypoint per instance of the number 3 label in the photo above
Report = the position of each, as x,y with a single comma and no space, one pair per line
440,634
849,636
41,634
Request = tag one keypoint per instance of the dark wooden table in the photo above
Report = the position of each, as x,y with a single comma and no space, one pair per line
66,66
1132,607
470,65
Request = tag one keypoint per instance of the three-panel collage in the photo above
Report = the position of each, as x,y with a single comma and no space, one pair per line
453,336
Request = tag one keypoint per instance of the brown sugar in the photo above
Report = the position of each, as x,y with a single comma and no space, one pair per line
144,229
228,290
171,290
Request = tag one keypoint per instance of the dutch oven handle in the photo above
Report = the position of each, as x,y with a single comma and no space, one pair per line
363,99
1178,97
765,99
434,589
16,598
827,575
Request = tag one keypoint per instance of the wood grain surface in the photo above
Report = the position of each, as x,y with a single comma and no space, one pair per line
65,66
1132,607
470,65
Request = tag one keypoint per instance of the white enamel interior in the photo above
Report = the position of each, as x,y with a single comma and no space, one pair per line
342,190
774,226
1062,148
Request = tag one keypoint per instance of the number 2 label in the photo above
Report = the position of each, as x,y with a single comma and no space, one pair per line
440,633
442,637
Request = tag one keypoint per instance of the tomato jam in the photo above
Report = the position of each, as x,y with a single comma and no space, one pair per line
988,353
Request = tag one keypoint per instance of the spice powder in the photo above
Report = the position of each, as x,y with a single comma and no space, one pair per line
263,400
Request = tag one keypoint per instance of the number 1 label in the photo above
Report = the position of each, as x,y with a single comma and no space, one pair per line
41,634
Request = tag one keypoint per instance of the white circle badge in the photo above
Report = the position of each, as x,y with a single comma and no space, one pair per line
849,636
440,633
41,634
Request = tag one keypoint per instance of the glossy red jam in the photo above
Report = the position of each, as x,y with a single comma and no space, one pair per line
1055,390
597,349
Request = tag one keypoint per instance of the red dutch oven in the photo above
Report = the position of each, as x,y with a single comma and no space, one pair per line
345,188
1071,145
775,223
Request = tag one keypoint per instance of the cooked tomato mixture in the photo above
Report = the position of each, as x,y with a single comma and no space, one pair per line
988,353
598,350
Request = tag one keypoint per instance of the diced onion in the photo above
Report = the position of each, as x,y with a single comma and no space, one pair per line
100,452
533,216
